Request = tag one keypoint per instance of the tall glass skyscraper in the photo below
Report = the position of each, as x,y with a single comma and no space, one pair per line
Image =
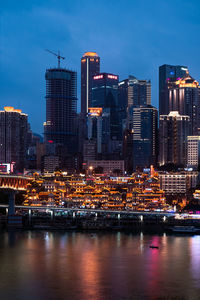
105,95
133,91
183,95
166,73
143,122
61,106
90,66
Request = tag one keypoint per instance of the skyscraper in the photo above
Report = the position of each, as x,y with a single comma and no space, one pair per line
183,95
13,137
105,95
133,91
166,73
90,66
173,132
143,122
61,106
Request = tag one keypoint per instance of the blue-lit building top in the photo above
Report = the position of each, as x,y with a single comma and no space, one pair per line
166,73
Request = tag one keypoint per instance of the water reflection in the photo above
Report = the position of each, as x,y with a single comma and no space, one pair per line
57,265
195,257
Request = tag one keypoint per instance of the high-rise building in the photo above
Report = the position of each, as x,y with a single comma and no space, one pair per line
90,66
193,152
95,127
173,132
166,73
61,106
133,91
105,95
13,137
61,111
183,95
143,122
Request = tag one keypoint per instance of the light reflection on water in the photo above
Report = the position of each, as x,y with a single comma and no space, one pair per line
57,265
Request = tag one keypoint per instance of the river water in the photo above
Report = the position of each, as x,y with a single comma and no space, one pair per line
74,265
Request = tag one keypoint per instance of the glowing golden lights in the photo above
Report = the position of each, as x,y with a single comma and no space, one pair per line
187,82
95,111
90,54
11,109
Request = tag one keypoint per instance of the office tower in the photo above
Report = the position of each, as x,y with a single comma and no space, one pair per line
95,126
193,152
173,132
143,122
183,95
166,73
13,137
61,106
105,95
133,91
90,66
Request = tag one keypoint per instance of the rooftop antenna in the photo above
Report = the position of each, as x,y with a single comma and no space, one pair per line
57,55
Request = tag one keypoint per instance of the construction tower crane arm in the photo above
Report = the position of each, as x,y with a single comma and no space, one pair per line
57,55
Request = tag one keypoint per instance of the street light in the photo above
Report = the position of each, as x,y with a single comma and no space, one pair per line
91,169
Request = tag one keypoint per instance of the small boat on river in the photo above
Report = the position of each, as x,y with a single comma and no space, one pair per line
153,247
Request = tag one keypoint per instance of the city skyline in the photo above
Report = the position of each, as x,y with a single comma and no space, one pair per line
123,49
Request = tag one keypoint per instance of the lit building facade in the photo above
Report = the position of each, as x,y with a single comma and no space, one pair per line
178,183
166,73
173,132
90,66
183,95
13,137
193,152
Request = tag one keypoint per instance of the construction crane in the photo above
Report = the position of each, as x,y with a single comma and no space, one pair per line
57,55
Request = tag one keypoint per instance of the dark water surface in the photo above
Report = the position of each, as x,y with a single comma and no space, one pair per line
57,265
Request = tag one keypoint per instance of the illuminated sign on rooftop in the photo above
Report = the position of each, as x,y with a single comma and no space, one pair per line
98,77
112,76
95,111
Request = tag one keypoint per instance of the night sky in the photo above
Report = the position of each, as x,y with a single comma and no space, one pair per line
131,37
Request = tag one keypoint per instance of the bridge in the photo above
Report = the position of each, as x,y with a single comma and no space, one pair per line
14,182
11,184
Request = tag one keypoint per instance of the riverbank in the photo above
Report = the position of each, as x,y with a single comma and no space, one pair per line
146,223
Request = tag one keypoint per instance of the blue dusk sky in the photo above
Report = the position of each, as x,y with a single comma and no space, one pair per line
131,37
